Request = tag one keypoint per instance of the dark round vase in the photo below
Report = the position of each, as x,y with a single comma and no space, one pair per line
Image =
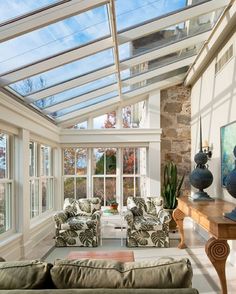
201,178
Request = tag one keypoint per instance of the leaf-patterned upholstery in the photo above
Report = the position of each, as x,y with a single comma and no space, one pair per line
79,223
147,222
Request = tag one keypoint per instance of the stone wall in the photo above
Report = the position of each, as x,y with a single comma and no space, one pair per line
176,131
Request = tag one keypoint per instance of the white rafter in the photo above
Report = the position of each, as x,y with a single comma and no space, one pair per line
48,16
55,61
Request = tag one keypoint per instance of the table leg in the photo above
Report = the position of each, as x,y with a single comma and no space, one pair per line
178,216
218,251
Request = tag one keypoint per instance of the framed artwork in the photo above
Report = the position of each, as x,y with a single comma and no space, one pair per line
228,142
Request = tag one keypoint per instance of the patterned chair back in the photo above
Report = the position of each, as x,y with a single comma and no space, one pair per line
83,206
142,206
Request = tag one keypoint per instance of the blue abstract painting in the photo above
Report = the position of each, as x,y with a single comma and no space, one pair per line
228,142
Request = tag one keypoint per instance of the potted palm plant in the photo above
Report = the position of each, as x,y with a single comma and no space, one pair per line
171,189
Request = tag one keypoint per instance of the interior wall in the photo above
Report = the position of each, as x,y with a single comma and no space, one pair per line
214,98
176,131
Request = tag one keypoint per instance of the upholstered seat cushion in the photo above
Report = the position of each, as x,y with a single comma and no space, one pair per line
147,223
160,274
79,223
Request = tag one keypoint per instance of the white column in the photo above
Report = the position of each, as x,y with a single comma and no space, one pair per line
23,189
154,155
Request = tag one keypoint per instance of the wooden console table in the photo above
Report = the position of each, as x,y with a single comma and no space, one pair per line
209,215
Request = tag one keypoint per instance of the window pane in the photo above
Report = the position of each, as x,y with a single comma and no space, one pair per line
134,115
98,161
44,195
81,188
34,198
128,188
32,160
69,161
69,188
45,160
137,187
140,161
5,207
50,190
111,161
3,156
14,8
64,73
98,188
130,13
55,38
128,161
105,121
81,161
110,189
140,186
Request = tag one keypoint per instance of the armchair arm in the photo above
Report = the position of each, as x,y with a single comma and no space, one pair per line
164,216
60,217
129,217
96,215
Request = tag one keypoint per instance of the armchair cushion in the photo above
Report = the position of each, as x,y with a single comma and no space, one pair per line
79,223
147,223
83,206
137,205
154,205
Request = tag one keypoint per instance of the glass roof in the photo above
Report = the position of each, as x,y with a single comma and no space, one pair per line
58,37
79,58
15,8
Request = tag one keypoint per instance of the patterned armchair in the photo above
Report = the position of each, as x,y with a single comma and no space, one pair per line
78,224
147,222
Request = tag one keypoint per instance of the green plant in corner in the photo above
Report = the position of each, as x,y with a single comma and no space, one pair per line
171,185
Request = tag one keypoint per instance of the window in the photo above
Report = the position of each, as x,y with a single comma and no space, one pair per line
104,174
6,184
134,115
105,121
41,179
134,173
75,173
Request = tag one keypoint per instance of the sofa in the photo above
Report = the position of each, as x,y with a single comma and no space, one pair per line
147,222
165,275
78,224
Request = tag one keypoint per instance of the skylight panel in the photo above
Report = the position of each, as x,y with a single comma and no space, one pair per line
159,62
15,8
64,73
159,78
58,37
75,92
168,35
133,12
84,104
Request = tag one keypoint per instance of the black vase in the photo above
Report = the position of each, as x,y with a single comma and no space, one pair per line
231,188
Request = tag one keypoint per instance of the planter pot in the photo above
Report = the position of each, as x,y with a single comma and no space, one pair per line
172,223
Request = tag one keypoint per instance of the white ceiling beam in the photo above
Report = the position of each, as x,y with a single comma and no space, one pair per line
76,82
55,61
112,14
78,113
170,19
165,50
81,98
159,71
46,17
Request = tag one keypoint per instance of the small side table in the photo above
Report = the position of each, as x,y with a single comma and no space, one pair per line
112,220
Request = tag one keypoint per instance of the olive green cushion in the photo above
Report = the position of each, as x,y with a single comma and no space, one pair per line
24,274
103,291
160,274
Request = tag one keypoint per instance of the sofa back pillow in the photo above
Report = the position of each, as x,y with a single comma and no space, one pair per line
24,275
161,274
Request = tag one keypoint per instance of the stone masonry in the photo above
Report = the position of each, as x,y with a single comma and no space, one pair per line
176,131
